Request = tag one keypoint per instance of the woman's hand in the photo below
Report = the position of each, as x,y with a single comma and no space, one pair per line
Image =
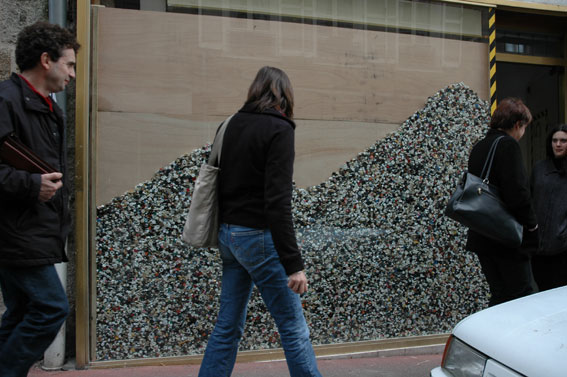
297,282
530,241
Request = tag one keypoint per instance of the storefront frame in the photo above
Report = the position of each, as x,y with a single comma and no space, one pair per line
85,224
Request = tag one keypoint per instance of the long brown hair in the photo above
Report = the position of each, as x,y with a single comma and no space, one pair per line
548,146
271,89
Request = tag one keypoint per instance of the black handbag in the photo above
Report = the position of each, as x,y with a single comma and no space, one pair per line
477,205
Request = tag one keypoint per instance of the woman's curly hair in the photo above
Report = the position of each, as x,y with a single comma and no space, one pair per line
42,37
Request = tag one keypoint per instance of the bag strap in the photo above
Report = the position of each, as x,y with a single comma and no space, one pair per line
214,157
489,159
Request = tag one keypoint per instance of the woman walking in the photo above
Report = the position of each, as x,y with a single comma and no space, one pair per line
256,238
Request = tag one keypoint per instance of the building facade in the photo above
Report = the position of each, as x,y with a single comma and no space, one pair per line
390,96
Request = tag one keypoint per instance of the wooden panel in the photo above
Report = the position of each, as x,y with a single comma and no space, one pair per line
323,146
165,81
138,148
142,143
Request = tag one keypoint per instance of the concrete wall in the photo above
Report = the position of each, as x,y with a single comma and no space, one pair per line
13,17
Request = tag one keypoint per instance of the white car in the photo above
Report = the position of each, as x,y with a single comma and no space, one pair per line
523,337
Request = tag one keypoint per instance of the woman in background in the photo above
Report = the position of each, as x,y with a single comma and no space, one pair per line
507,270
256,238
549,192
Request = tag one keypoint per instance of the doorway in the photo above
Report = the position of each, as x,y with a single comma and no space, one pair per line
530,64
539,86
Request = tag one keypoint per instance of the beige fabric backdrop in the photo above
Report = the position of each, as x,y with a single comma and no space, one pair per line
165,81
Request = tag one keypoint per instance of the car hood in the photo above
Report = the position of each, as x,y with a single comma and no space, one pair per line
528,335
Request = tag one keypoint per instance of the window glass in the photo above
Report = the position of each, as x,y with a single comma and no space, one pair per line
389,94
533,44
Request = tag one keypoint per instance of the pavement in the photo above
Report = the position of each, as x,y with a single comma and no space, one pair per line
346,366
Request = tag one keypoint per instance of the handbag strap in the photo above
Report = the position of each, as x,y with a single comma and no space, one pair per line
215,156
488,163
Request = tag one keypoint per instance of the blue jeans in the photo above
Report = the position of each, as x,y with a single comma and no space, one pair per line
249,257
36,307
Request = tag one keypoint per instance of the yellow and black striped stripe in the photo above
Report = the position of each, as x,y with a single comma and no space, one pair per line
492,55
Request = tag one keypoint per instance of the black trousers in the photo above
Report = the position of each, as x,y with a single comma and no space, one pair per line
550,271
509,275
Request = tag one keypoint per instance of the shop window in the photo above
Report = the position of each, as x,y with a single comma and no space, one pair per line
532,44
390,95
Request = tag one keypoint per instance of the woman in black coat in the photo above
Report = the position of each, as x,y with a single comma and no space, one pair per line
507,270
257,242
549,192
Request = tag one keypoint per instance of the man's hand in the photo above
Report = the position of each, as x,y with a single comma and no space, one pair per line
50,183
297,282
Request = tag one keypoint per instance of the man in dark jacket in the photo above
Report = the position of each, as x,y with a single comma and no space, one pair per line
34,216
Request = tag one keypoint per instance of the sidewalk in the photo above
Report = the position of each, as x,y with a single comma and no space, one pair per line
355,366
